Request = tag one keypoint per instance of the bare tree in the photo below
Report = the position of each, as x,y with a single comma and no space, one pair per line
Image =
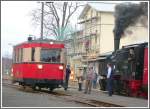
56,18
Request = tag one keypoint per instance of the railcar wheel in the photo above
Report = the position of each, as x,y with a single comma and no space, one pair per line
39,88
51,89
24,87
33,87
36,88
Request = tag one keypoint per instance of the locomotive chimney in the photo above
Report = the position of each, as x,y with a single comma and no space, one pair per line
116,43
117,36
128,14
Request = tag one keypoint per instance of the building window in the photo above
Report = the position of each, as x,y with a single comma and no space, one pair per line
96,14
91,13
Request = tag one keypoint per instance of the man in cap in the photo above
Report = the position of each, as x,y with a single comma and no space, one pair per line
89,79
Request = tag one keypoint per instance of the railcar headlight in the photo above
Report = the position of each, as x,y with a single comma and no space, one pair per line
11,74
60,67
40,66
51,42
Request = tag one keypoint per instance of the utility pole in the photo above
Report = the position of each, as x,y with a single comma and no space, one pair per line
42,20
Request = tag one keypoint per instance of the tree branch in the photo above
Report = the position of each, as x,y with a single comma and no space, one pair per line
53,23
54,12
64,13
70,14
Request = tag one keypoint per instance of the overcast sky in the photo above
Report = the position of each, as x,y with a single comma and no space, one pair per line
16,23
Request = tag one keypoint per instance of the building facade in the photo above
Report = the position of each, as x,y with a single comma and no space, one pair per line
97,39
97,24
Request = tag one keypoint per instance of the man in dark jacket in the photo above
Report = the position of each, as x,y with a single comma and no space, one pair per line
68,71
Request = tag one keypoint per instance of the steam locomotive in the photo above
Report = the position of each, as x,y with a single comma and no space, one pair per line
130,65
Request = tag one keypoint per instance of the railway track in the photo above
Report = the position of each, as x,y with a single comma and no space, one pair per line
64,96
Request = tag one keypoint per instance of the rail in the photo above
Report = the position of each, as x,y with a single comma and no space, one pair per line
64,96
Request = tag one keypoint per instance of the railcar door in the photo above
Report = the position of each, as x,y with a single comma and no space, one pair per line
17,64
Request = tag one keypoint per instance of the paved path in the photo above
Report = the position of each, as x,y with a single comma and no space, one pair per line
9,98
12,97
114,99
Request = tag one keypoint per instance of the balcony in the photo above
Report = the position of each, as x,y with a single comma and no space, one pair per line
87,20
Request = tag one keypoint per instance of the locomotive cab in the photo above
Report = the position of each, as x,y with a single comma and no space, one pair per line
130,75
129,65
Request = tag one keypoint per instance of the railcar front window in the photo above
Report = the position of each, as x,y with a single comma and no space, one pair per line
50,55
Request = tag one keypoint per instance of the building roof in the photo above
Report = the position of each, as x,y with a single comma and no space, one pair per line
98,6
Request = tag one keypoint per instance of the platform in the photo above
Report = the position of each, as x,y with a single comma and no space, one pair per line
125,101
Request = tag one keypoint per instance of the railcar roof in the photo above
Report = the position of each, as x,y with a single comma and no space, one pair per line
40,41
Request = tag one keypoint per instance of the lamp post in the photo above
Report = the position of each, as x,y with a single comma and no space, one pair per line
42,17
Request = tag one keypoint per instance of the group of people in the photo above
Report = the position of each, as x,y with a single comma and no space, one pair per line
91,78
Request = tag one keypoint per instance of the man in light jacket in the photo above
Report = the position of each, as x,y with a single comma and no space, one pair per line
109,79
89,79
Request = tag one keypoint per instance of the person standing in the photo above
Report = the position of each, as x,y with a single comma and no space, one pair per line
68,71
102,82
80,78
89,79
99,81
109,79
95,79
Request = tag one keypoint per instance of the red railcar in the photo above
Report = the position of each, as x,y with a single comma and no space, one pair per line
39,63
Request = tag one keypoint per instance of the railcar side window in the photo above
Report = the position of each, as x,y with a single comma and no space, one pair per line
14,56
21,55
17,55
32,54
50,55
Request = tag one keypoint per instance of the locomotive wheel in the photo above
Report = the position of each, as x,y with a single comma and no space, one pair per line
128,92
33,87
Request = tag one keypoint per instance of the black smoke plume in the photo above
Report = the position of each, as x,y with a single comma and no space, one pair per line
128,14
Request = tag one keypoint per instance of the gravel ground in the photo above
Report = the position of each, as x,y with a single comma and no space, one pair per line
14,98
